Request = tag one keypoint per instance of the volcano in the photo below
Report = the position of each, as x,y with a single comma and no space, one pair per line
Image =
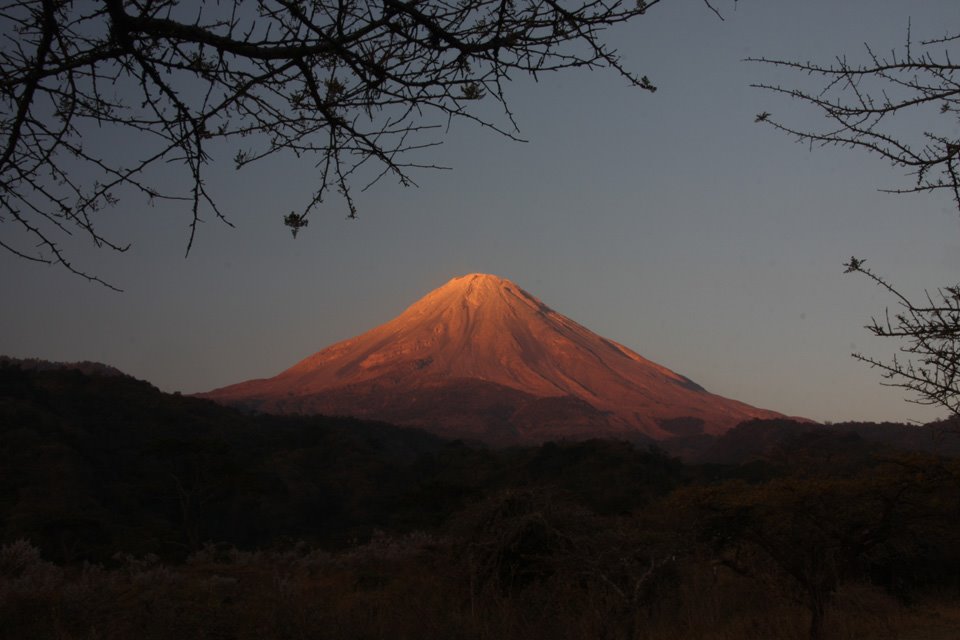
482,359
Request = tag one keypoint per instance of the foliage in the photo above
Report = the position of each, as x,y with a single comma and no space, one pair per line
422,586
169,516
99,464
805,536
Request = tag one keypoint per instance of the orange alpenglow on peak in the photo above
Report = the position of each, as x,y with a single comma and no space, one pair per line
480,358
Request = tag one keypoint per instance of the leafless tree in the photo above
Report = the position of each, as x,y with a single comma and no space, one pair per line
354,85
904,107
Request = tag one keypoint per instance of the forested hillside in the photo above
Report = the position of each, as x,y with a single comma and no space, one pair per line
130,512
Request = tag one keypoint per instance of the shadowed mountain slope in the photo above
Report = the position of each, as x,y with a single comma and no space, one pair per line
482,358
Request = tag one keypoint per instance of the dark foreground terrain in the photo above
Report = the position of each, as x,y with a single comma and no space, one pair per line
129,513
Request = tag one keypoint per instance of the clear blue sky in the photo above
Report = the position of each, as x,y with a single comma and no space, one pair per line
669,222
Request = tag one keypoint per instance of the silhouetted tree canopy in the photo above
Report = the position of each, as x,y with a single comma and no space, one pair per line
350,85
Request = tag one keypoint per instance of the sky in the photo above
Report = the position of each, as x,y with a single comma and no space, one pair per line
669,222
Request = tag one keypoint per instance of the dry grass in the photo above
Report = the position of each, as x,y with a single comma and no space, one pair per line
413,588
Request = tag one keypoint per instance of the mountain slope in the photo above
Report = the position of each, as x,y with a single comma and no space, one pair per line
482,358
85,367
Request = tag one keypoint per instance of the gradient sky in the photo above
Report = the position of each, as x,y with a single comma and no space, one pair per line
669,222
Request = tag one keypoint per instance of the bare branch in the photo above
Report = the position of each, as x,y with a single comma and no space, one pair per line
929,333
357,85
869,105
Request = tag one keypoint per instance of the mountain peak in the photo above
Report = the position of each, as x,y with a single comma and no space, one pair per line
474,284
481,296
472,278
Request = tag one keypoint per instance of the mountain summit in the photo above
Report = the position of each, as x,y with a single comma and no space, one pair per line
481,358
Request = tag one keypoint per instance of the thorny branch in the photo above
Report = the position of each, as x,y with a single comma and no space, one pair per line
903,106
348,83
929,332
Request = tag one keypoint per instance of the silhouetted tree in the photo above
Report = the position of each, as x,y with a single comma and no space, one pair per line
803,537
354,84
904,107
